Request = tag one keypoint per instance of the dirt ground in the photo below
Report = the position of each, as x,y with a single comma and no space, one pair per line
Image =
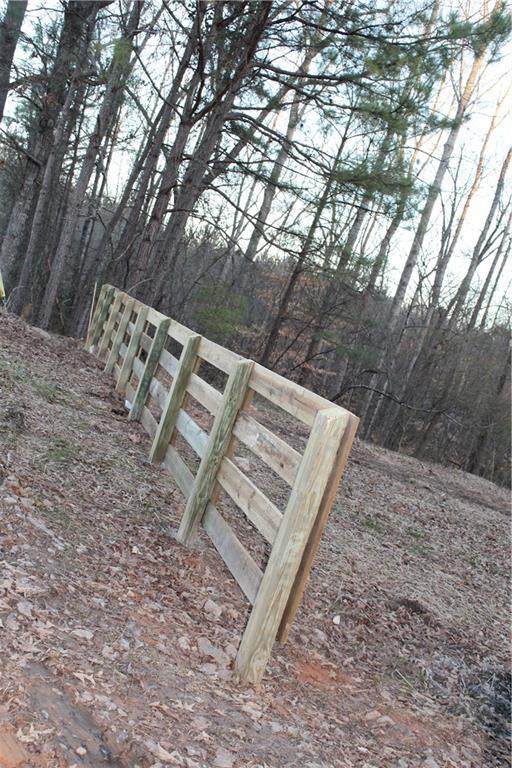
116,643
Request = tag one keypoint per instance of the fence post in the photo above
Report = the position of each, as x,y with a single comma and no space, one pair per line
149,369
318,528
218,442
133,346
94,304
291,540
100,314
116,344
109,325
174,399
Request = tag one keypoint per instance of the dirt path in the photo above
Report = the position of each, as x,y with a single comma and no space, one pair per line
116,643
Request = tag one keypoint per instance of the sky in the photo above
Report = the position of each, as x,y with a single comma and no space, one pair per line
495,83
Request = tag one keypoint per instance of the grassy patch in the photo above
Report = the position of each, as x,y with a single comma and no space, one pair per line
415,533
56,516
15,372
372,523
403,672
62,451
49,391
424,550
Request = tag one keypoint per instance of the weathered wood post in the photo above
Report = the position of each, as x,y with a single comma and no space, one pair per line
109,325
174,399
133,346
100,315
95,311
317,531
149,369
116,344
292,537
218,442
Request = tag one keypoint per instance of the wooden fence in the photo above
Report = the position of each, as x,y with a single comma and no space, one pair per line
135,341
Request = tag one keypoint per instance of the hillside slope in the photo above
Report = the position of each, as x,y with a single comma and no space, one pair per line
116,642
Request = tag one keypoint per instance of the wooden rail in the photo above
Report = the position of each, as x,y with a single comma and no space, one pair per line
134,341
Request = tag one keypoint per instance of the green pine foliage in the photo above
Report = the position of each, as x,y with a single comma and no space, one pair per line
220,311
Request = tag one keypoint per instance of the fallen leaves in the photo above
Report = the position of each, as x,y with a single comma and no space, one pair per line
24,607
143,632
224,758
206,648
212,609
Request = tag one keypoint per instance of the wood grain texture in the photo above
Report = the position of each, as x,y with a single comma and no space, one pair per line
218,356
156,388
155,317
133,346
149,369
274,451
179,471
317,531
179,332
286,556
103,310
291,397
148,421
220,436
174,399
145,342
118,339
95,316
130,393
314,478
238,561
233,443
169,363
158,392
196,437
262,513
209,397
109,325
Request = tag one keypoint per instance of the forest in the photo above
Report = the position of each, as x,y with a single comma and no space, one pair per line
323,186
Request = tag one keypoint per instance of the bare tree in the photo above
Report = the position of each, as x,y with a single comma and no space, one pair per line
10,28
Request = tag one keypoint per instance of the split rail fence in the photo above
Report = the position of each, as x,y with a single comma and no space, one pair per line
134,340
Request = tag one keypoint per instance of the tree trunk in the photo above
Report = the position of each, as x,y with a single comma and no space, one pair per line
79,17
421,230
440,272
435,189
269,194
196,173
294,119
479,249
302,257
476,457
30,276
120,69
156,140
333,285
485,287
506,254
10,28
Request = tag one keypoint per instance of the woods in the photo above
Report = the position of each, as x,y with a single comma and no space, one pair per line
323,187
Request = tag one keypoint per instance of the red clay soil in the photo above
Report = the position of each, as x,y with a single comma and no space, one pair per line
116,643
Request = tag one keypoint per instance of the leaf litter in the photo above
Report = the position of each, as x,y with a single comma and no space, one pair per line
117,644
